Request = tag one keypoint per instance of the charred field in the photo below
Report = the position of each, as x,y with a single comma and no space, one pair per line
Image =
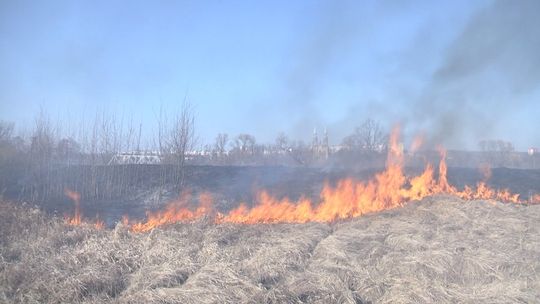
439,249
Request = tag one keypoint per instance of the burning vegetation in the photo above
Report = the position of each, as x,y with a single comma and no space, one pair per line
76,218
439,250
349,198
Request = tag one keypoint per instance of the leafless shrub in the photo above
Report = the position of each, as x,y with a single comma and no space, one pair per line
368,137
179,138
220,145
6,131
282,142
497,152
244,144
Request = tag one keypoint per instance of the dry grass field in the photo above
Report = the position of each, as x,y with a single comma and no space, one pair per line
438,250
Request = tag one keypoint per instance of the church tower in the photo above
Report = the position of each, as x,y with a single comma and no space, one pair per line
315,142
325,147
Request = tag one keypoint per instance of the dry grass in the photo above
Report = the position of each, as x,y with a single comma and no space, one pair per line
435,251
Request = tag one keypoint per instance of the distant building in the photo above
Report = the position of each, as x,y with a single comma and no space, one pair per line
320,148
136,158
194,154
337,148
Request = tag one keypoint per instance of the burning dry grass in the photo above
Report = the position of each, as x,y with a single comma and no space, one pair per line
441,249
388,189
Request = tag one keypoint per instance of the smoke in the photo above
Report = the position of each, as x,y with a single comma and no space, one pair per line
481,87
489,71
332,31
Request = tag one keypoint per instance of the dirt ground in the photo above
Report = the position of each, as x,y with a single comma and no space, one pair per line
438,250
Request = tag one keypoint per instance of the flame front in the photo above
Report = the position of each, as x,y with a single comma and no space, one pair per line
348,198
175,212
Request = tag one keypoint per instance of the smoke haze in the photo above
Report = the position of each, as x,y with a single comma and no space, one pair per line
489,71
459,72
487,75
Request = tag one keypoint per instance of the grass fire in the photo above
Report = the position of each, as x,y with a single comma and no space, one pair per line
347,199
269,152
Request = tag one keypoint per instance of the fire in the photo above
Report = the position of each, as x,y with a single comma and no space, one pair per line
99,224
177,211
125,220
482,191
349,198
76,219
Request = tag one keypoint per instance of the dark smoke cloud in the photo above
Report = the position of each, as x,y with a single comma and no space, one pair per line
488,71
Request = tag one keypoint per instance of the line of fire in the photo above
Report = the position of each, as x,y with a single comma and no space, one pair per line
347,198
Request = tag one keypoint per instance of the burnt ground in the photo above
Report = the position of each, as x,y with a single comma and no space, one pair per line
231,185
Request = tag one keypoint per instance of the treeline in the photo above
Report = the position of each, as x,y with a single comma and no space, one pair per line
370,138
40,164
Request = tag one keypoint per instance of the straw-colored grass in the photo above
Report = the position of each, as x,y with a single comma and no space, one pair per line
438,250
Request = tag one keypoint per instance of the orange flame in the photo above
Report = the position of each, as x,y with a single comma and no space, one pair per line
176,212
99,224
125,220
348,198
76,219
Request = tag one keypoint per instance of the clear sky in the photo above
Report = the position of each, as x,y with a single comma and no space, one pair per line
459,71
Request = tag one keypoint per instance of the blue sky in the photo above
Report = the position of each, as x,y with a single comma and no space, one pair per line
264,67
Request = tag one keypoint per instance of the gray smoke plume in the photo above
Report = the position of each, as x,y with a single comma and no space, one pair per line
488,72
333,30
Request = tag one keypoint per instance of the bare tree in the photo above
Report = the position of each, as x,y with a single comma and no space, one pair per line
41,153
67,148
7,154
282,142
497,152
368,137
6,131
300,152
42,144
163,132
182,138
220,145
245,143
108,136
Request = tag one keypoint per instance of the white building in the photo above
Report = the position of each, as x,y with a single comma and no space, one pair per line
136,158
